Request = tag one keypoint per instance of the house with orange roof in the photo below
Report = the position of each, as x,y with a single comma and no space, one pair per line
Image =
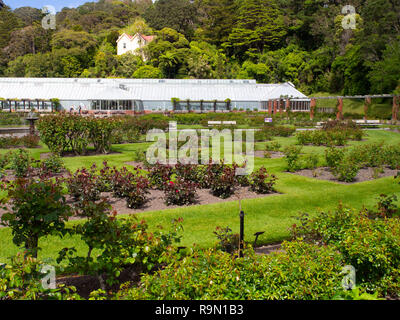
134,44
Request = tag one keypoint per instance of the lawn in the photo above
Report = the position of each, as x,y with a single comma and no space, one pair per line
273,214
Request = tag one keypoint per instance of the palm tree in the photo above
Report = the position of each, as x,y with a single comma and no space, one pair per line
168,62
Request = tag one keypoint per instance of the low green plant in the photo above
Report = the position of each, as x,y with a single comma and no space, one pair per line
302,271
346,171
310,161
21,279
370,245
273,146
119,243
261,181
53,164
20,162
292,156
223,185
227,240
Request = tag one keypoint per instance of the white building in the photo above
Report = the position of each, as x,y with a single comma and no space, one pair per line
133,44
152,95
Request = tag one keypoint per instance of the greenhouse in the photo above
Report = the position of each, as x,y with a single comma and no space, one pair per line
147,95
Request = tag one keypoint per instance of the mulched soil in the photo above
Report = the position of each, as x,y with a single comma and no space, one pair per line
365,174
273,154
70,154
268,249
85,284
9,174
156,200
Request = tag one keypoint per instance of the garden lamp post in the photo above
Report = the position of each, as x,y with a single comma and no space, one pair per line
241,235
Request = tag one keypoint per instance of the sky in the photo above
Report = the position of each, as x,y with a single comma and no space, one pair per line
58,4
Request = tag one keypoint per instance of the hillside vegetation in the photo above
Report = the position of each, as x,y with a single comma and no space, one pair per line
300,41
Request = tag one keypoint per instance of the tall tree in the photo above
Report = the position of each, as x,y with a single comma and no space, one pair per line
217,17
259,26
180,15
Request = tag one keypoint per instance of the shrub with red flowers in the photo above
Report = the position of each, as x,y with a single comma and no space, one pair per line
206,173
262,182
181,192
125,184
158,174
223,185
136,194
187,172
84,184
121,181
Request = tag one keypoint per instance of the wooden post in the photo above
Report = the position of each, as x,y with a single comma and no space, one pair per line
367,103
395,109
313,104
339,114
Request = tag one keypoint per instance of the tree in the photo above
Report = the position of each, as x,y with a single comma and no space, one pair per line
28,15
385,74
351,71
8,23
180,15
147,72
168,63
217,17
128,63
38,209
259,25
260,71
30,39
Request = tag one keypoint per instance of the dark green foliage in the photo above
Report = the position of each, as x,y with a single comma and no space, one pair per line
180,192
292,156
220,276
370,245
21,162
223,183
53,164
67,132
346,171
21,280
334,157
261,181
270,41
119,243
38,209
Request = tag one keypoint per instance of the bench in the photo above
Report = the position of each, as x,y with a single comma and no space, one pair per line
361,123
218,123
368,123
